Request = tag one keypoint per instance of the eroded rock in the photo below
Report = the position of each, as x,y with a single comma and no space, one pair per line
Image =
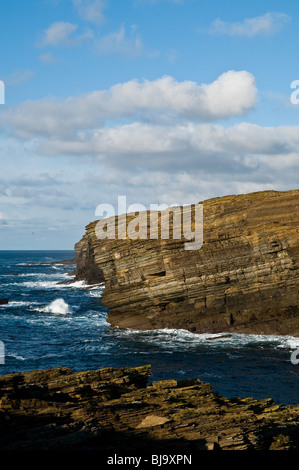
119,410
244,279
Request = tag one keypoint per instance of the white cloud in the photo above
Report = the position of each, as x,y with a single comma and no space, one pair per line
90,10
163,145
58,33
61,33
119,42
172,56
267,24
165,99
48,58
18,77
242,147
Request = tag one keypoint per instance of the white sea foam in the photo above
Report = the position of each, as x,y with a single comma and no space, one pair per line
84,285
16,356
92,317
56,283
40,284
77,284
290,342
38,275
58,306
20,303
96,292
173,338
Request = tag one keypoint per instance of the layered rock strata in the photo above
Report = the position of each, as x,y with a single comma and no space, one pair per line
245,277
118,411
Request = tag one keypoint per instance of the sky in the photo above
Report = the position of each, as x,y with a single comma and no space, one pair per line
160,101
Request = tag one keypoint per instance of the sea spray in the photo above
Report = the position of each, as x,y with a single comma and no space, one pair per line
58,306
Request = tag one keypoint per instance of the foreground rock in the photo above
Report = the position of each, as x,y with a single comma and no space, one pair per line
244,279
116,410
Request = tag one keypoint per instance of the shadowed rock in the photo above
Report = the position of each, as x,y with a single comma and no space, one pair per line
117,410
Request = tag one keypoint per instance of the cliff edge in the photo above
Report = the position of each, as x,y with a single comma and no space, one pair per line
244,278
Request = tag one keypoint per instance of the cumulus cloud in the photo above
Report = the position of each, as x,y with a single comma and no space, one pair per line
90,10
58,33
119,42
48,58
41,190
242,147
164,142
62,33
231,94
18,77
267,24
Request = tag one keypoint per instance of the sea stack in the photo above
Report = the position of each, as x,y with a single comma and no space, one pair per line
244,278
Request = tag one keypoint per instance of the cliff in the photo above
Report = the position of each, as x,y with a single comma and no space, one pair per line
245,277
118,411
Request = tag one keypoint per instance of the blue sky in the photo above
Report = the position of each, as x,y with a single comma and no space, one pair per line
164,101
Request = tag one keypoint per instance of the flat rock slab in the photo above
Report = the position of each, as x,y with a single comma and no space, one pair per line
153,420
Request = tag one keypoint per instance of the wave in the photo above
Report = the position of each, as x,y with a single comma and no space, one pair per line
58,307
290,342
96,292
20,303
16,356
94,318
84,285
172,338
31,275
40,284
50,263
57,281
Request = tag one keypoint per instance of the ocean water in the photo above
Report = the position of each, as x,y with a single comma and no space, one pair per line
47,324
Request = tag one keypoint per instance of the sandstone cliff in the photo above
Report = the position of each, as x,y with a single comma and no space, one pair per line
117,411
244,279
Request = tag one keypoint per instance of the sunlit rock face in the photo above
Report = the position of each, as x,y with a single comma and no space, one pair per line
244,278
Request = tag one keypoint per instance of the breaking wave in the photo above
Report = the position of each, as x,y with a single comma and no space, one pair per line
174,338
58,307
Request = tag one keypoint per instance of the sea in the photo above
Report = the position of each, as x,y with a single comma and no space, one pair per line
52,320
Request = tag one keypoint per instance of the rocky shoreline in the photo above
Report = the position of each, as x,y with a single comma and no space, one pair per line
244,279
119,411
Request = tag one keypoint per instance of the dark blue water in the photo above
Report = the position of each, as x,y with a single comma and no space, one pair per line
47,324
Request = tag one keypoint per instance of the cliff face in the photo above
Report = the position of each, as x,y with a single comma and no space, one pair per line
244,279
117,411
